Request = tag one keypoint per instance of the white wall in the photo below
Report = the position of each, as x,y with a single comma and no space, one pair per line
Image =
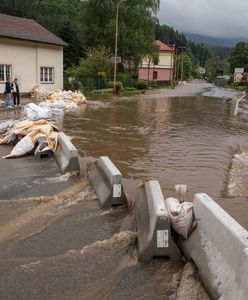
51,57
166,60
26,58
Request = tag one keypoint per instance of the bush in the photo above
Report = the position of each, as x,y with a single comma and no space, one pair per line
73,84
242,88
142,85
119,86
103,91
130,88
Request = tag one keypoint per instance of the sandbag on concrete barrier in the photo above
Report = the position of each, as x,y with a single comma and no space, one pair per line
153,224
219,248
66,155
107,182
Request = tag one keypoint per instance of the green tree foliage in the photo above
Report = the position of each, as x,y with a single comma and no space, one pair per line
91,23
239,57
215,67
96,63
136,26
220,52
183,67
198,54
187,67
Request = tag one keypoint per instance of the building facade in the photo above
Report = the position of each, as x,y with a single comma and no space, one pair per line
29,53
161,72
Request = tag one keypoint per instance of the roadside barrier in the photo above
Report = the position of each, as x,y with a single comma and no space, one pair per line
153,224
107,182
219,248
41,150
66,155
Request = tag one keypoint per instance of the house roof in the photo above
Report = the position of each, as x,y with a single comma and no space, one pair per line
28,30
163,47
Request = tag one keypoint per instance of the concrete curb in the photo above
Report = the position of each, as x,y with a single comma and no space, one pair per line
153,224
66,155
107,182
219,248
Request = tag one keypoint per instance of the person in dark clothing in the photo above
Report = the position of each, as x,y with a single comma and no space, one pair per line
7,92
16,92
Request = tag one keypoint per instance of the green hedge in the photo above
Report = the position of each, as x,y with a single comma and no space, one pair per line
142,85
119,86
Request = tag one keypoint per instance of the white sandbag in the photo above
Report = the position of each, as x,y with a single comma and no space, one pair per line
6,125
55,104
35,112
2,103
24,146
70,105
57,112
181,215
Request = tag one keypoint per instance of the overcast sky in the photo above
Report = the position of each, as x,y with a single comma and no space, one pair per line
217,18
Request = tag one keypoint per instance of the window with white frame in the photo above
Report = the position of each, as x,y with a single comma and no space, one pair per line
5,72
46,75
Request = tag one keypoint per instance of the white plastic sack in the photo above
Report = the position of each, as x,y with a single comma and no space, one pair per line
6,125
181,215
57,112
2,103
56,104
70,105
35,112
24,146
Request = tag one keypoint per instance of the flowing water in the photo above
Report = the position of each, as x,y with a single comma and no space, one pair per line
189,140
70,249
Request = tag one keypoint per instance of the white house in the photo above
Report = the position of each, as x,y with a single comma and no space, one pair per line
163,71
30,53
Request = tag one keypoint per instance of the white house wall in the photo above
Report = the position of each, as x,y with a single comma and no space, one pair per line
51,57
26,58
165,61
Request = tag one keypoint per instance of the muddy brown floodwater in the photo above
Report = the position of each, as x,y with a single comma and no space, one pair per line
189,140
56,242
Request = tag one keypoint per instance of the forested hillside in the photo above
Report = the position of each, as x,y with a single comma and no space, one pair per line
88,26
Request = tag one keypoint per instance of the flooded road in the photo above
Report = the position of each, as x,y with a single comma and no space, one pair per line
56,242
189,140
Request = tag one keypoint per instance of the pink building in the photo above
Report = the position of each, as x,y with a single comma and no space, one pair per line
163,71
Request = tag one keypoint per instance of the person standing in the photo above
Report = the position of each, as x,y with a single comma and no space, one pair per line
16,92
7,92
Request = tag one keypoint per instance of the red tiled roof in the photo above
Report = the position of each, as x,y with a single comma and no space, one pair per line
162,46
28,30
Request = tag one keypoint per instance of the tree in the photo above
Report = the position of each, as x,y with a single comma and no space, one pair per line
214,67
97,61
136,26
184,67
239,57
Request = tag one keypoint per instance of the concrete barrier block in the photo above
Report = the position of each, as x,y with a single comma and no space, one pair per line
66,155
107,182
41,150
219,248
153,224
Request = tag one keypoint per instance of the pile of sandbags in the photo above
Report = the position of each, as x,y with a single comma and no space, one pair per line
33,112
62,97
26,135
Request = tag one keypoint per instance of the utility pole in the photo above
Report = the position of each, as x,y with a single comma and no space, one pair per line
116,42
177,63
182,71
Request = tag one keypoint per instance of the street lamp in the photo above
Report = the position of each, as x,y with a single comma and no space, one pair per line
116,42
176,64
